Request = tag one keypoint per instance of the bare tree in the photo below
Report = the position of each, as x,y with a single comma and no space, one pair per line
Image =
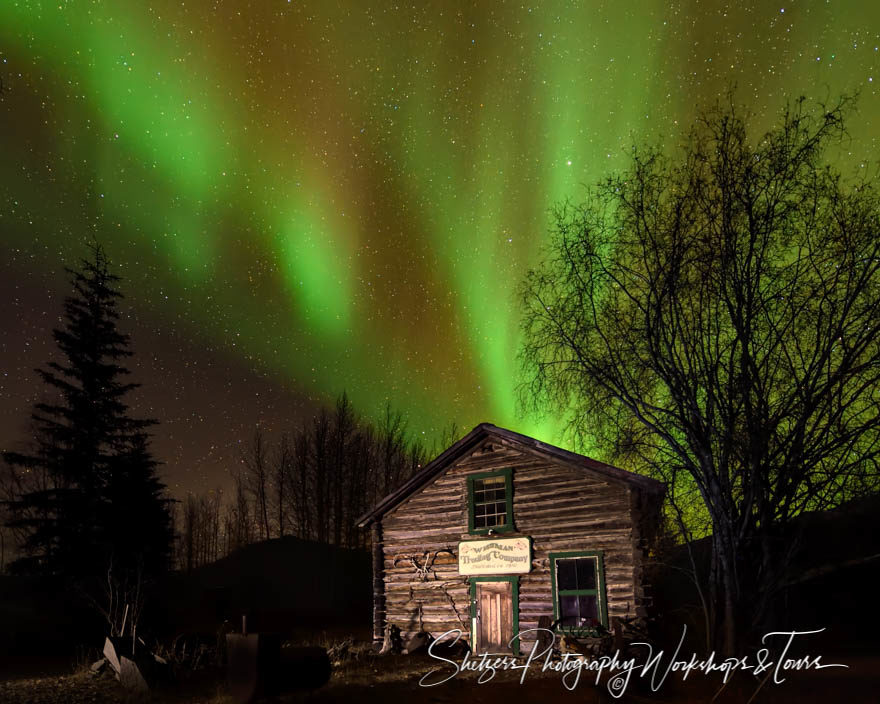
121,600
237,518
449,435
340,468
189,534
301,486
716,316
359,462
392,440
256,460
282,472
418,458
243,519
321,475
176,559
200,533
313,484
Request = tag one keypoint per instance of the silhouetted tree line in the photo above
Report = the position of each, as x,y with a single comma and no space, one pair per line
86,494
312,483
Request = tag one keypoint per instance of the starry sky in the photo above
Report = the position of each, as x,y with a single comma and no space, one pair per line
305,197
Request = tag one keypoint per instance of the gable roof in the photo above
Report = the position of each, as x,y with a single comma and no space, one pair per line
484,430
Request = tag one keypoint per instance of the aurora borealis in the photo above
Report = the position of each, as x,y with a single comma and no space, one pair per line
306,197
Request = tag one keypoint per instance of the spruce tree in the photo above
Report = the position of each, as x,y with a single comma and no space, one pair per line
99,498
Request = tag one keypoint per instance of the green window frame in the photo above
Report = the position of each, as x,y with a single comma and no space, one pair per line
514,595
476,499
598,591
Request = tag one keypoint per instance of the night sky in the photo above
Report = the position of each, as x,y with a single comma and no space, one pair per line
306,197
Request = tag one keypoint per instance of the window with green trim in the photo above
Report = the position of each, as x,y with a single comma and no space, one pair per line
490,502
578,581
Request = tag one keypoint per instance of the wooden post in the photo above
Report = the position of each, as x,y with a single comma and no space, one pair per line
378,585
124,618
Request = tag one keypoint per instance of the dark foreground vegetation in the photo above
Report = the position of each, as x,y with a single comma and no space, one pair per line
282,585
363,676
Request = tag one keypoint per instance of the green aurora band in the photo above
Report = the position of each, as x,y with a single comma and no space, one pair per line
346,196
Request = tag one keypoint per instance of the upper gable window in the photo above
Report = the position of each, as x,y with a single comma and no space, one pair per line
490,502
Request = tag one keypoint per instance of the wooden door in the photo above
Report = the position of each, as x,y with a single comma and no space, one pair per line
494,617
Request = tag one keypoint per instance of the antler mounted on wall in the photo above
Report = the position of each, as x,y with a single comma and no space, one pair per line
423,564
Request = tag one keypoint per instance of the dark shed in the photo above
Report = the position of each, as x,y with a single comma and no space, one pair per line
501,530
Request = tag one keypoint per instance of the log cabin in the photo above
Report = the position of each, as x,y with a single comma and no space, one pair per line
502,532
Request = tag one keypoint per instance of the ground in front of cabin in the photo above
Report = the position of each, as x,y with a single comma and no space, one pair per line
366,677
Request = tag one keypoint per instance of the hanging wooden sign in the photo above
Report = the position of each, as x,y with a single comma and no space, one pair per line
495,556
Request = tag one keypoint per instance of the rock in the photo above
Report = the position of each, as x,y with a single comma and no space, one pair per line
110,654
136,672
392,643
450,648
418,644
98,665
130,676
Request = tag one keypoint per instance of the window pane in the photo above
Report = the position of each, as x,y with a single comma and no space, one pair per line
490,502
489,484
586,573
579,611
576,573
568,610
589,611
566,577
495,519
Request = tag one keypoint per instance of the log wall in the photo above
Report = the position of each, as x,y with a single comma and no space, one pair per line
561,507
